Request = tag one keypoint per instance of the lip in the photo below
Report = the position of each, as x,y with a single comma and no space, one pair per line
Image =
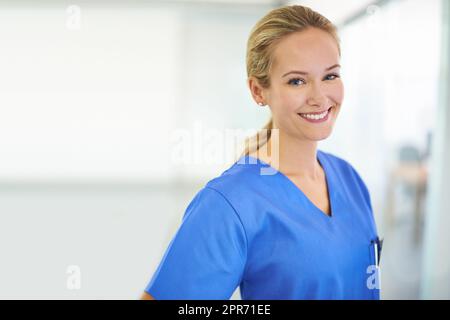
318,120
316,112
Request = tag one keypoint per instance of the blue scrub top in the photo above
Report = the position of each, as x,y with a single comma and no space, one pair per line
259,231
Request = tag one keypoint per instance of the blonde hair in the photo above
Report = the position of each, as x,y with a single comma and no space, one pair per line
263,38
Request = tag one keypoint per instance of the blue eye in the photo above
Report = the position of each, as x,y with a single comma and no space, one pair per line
295,79
333,75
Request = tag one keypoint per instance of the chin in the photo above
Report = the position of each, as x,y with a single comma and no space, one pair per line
318,136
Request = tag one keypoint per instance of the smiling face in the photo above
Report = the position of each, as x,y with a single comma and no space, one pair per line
306,91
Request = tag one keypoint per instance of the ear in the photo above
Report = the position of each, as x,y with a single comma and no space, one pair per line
257,91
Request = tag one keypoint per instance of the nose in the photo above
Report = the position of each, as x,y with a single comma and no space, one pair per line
317,96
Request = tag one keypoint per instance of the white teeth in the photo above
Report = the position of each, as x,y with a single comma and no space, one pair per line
315,116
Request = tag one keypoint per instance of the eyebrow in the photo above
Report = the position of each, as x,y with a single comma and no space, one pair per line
305,73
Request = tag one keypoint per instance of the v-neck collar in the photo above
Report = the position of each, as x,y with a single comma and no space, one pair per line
331,190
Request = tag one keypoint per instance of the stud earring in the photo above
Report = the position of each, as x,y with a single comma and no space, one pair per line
261,104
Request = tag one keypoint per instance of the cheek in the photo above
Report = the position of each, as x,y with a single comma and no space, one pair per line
293,100
287,102
338,93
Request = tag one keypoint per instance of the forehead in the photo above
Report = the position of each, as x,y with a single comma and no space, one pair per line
309,50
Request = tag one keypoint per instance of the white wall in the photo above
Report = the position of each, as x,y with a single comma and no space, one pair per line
91,103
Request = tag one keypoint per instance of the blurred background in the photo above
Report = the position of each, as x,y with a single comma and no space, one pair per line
114,115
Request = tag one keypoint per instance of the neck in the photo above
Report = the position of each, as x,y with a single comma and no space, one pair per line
292,156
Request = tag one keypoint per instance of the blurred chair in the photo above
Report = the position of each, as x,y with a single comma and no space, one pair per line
410,175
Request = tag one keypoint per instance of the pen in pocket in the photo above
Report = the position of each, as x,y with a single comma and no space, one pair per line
377,247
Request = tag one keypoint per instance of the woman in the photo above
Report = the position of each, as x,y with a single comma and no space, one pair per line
305,231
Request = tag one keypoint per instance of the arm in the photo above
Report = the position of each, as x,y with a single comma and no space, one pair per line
207,256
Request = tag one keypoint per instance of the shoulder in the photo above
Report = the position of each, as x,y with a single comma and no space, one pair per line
336,161
206,209
210,201
345,171
230,194
222,190
238,179
340,164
